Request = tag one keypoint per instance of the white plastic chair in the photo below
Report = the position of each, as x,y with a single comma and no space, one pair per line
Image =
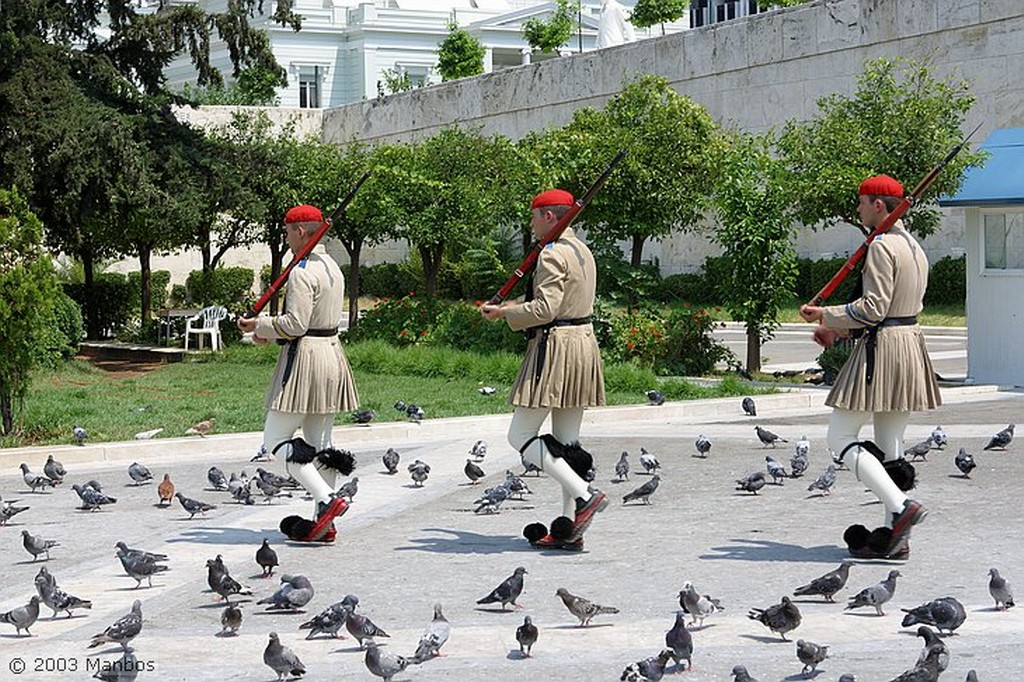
207,321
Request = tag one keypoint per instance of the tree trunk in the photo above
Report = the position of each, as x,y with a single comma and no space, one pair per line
431,257
637,252
276,265
753,349
6,408
92,318
354,251
146,275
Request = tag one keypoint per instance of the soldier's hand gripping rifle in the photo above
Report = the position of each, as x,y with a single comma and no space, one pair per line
555,232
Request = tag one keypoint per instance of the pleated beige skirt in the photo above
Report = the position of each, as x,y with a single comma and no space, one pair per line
321,381
904,380
572,376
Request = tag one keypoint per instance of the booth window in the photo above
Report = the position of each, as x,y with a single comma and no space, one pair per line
1004,240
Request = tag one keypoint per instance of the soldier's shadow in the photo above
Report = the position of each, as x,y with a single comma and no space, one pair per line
746,549
465,542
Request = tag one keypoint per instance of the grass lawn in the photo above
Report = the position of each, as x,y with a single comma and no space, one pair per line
229,387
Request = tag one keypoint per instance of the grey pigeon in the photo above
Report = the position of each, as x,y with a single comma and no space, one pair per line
36,545
479,450
649,462
802,448
55,598
752,483
473,471
22,617
944,613
928,671
798,463
810,654
275,480
650,669
193,507
775,470
971,676
699,606
749,408
740,674
216,478
362,628
124,669
140,553
508,591
140,568
220,580
348,489
331,619
934,649
271,487
826,481
781,618
622,466
384,664
266,557
679,640
34,481
94,484
526,635
1001,439
92,499
419,471
876,595
582,608
847,677
281,659
964,462
230,620
363,416
643,492
919,451
139,474
939,437
490,502
124,629
294,593
1000,590
434,637
79,434
390,460
703,446
767,437
516,486
655,397
54,470
8,511
828,584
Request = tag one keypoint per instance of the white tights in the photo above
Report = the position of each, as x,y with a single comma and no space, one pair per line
565,427
316,430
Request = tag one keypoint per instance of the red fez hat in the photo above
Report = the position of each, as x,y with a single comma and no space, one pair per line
552,197
303,213
882,186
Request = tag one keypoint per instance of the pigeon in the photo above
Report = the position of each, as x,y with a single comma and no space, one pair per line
752,483
434,637
200,429
221,582
828,584
652,668
1000,590
473,472
767,437
919,451
193,507
262,454
271,487
139,567
54,470
516,485
384,664
139,474
622,467
487,390
216,478
584,609
508,591
644,492
649,462
348,489
680,642
740,674
294,593
826,481
655,397
274,480
876,595
230,620
139,553
147,435
749,408
8,511
124,669
802,448
331,619
526,635
92,499
964,462
125,629
79,434
703,446
419,471
34,481
266,557
478,451
699,606
799,462
362,628
971,676
36,545
810,654
944,613
847,677
934,649
940,438
390,461
165,489
1001,439
94,484
23,617
363,416
775,470
490,502
56,598
414,412
281,659
781,618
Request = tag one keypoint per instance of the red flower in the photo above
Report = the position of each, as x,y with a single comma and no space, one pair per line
633,330
404,332
630,345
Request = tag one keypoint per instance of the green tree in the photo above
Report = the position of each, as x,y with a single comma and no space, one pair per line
900,121
550,35
647,13
28,289
460,54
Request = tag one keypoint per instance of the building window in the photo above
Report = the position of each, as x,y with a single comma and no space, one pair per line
1004,240
309,87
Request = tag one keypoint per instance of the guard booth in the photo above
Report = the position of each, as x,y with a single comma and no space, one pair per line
993,199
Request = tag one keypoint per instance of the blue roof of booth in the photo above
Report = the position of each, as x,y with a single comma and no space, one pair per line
1000,182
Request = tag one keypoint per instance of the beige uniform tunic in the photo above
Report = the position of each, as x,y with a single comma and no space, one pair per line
564,284
321,381
895,278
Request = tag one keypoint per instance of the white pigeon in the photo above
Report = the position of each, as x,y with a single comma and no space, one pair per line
146,435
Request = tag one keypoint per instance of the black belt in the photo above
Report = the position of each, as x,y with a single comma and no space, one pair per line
545,332
871,340
293,349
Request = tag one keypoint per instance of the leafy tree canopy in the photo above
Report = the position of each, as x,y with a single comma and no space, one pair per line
460,54
550,35
647,13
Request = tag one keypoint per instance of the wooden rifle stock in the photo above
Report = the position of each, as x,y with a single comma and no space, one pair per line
556,231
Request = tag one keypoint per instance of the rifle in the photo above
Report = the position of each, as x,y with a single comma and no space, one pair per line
307,249
555,232
887,224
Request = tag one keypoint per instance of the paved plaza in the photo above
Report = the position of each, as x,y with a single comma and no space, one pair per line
401,549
